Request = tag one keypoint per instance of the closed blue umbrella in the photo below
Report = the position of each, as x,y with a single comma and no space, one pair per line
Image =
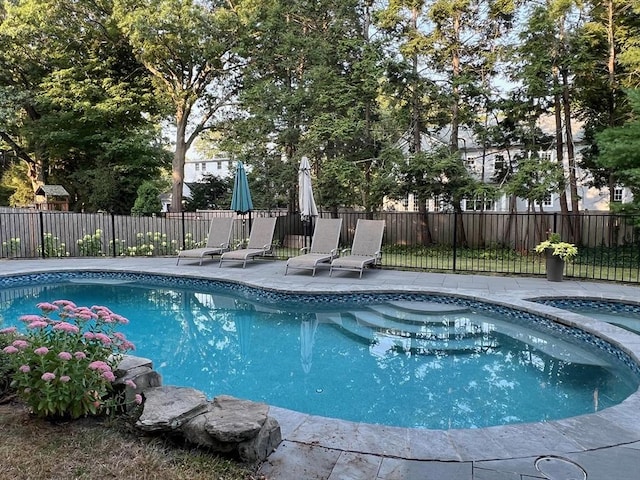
241,200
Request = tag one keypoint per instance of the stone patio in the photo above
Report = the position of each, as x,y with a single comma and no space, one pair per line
605,445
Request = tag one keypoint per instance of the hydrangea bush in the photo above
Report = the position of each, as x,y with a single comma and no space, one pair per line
63,365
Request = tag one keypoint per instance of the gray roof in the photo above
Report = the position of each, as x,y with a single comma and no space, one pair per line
52,191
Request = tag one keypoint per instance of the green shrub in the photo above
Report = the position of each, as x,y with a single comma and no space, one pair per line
11,248
53,247
152,244
90,245
63,367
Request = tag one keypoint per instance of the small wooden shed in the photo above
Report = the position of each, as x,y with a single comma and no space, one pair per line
52,197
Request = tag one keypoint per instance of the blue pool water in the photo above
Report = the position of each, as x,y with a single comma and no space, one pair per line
403,360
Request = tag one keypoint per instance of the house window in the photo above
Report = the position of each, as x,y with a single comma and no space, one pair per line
617,194
546,202
204,167
405,202
470,163
478,204
498,163
415,206
219,165
548,155
197,167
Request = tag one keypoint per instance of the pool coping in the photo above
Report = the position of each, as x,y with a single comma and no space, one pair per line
611,427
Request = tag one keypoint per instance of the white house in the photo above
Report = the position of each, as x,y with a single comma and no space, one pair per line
194,171
196,168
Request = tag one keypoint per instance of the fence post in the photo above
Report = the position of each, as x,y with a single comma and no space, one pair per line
113,235
555,222
455,239
182,226
42,249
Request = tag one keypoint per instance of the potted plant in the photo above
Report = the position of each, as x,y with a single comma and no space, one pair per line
557,252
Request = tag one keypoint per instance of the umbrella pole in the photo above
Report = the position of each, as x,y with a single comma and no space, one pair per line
310,230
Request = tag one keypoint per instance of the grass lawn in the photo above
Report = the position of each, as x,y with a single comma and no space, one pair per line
33,448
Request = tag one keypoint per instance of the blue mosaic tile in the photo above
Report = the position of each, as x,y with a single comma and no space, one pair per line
330,300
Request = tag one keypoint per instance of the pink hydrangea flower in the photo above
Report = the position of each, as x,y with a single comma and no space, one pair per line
9,330
48,376
47,307
31,318
66,327
41,351
10,349
89,335
100,366
120,319
138,398
64,303
38,324
83,313
20,344
131,383
65,356
80,355
65,378
105,339
108,375
25,368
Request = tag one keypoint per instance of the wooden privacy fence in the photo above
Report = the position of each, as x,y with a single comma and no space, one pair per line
603,239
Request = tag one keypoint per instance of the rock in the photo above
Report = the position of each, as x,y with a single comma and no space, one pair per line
235,420
129,362
234,425
194,431
167,408
258,449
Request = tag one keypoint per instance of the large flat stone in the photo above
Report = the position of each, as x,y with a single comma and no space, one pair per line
167,408
235,420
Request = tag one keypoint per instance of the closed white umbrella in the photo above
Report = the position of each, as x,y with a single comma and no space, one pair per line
306,202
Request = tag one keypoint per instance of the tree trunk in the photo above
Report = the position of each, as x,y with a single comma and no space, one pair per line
574,222
177,166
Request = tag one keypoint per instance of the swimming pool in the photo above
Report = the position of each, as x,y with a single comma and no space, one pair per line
283,349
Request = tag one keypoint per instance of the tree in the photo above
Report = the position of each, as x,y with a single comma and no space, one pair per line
148,200
76,106
309,88
534,180
188,48
619,149
211,193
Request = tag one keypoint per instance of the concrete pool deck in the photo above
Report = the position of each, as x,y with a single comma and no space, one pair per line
605,445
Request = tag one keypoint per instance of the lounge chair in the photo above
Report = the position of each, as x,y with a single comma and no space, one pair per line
217,241
260,240
324,246
365,249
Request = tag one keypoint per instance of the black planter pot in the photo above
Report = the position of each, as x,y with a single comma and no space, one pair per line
555,267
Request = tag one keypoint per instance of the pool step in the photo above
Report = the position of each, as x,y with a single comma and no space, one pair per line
416,342
431,314
427,308
550,344
439,329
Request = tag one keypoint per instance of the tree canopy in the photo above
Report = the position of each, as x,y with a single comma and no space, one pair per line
104,96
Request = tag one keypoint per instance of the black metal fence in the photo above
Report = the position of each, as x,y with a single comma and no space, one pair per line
483,242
